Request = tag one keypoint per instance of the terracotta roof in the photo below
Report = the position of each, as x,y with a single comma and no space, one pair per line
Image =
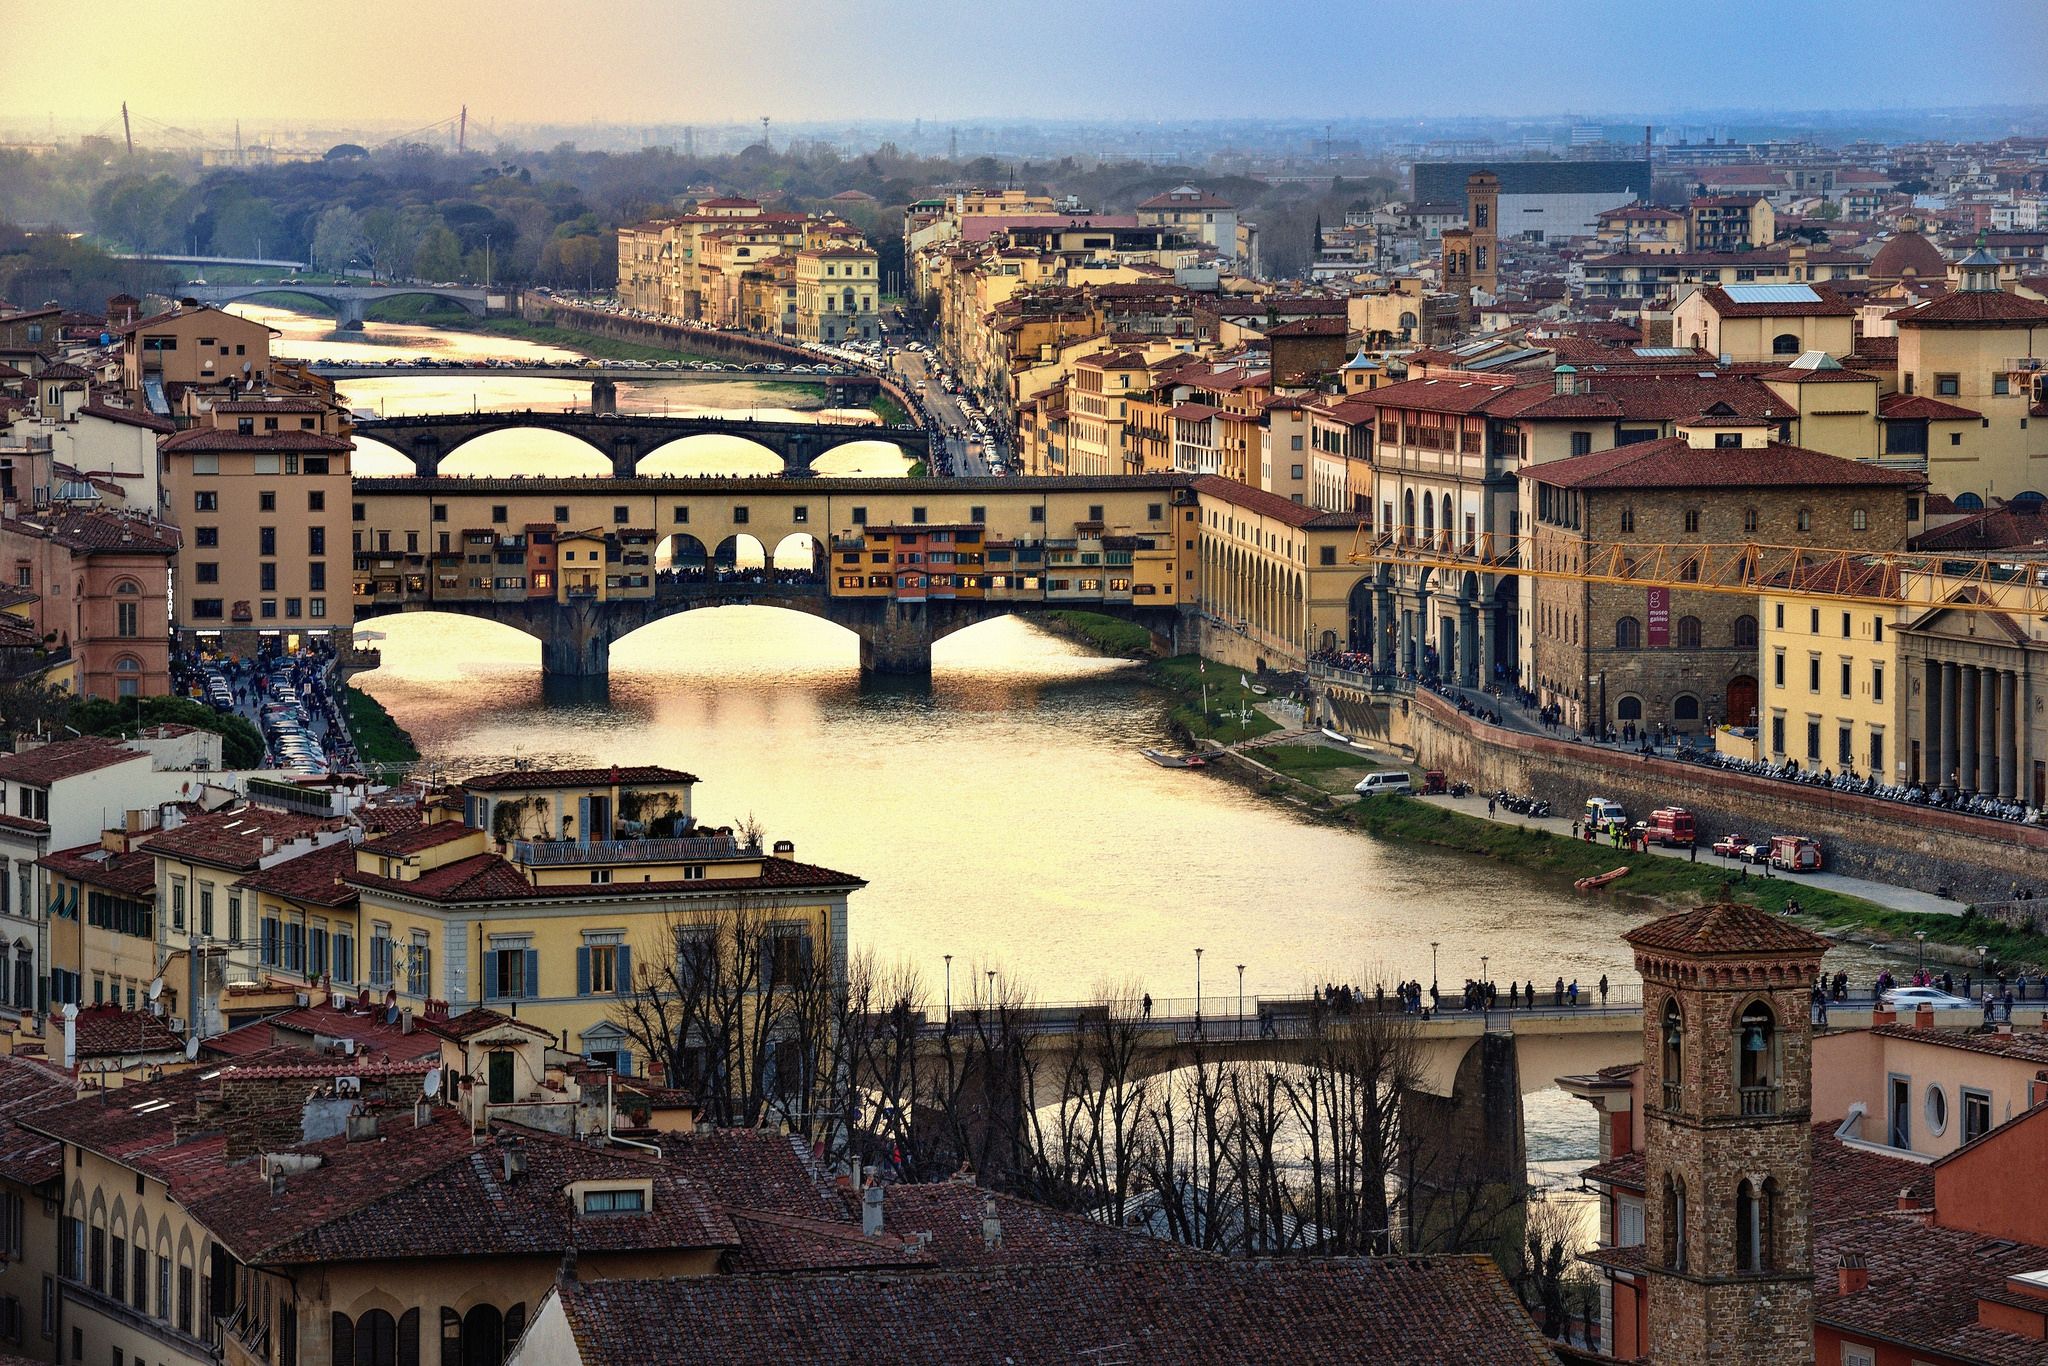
60,759
2000,527
131,874
488,877
1186,197
29,1085
470,1023
131,416
91,531
1921,406
1975,308
235,838
274,403
414,838
1413,1310
315,876
1675,463
221,439
480,877
111,1032
1907,253
1725,927
1273,505
951,1212
1826,306
519,779
300,1033
24,824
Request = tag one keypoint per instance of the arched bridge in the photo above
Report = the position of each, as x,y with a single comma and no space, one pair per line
626,440
349,302
896,638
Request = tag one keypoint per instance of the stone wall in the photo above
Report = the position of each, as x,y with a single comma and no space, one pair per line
1976,859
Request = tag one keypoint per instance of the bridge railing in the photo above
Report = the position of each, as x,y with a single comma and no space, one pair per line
555,853
1219,1013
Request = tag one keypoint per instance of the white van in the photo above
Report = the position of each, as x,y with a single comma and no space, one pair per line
1387,780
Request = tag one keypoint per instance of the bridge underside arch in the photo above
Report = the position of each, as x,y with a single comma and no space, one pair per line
512,449
739,551
863,457
798,551
297,301
792,606
681,550
710,453
374,459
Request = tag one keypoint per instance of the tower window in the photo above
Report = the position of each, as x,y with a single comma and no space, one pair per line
1674,1055
1757,1048
1755,1212
1674,1223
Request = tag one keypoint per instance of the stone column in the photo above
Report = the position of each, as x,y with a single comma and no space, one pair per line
2008,734
1966,727
1383,627
1945,772
1987,729
1930,727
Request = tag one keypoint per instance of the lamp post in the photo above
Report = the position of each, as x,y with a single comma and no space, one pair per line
1982,949
1432,964
991,986
1921,935
1240,1000
1198,991
949,993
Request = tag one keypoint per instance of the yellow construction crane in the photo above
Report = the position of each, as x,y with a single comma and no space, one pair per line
1885,579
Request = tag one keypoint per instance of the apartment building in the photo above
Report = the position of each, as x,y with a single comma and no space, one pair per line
101,582
836,294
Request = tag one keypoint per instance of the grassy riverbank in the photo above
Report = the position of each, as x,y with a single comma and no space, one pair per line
1681,883
1110,635
1227,716
379,739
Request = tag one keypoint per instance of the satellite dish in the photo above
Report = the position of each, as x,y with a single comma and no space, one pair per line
192,1048
156,988
431,1083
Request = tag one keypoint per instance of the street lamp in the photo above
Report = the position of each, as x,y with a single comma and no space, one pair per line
1982,949
1240,1000
1432,964
1482,970
1198,991
949,991
1921,935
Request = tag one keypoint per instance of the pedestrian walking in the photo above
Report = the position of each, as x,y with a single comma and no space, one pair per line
1147,1003
1603,988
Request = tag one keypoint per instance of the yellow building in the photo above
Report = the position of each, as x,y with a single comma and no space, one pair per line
1833,694
103,934
836,294
188,346
31,1183
1751,322
1276,580
1976,352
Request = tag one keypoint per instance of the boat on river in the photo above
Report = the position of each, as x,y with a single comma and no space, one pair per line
1168,760
1595,883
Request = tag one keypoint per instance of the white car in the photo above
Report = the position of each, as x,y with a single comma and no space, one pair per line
1909,1000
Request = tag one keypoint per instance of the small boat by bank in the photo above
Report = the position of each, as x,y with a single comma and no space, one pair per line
1332,733
1166,760
1594,884
1259,689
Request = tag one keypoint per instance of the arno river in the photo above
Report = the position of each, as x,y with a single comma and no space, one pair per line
1004,817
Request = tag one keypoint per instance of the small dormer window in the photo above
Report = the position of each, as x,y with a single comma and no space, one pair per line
623,1200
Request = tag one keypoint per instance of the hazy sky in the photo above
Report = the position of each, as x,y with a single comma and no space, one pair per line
707,61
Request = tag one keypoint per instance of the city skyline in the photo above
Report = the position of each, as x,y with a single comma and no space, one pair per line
854,63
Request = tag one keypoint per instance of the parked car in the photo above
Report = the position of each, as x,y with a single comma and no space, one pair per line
1731,846
1387,780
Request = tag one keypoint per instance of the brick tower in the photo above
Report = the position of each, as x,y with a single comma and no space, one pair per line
1482,215
1727,1091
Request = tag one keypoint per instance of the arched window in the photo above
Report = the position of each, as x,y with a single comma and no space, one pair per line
1785,344
1805,519
1428,518
1685,707
1688,633
1445,522
1628,634
483,1336
1408,515
128,586
1629,709
1756,1047
1674,1223
1673,1056
1745,632
1970,502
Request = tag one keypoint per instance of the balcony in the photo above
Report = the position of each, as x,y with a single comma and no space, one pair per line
1758,1100
1674,1095
566,853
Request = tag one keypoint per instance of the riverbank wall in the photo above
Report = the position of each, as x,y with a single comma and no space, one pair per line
742,347
1973,859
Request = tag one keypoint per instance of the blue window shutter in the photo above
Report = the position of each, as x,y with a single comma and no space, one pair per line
624,984
490,974
583,972
583,820
625,1063
532,973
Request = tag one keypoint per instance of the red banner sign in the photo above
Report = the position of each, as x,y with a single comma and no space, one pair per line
1660,616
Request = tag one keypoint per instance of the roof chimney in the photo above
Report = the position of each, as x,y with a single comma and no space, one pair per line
785,849
1923,1018
871,1212
1906,1200
991,1225
1852,1274
70,1036
515,1161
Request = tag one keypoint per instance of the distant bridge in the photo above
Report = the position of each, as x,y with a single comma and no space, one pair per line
349,302
253,262
729,375
626,440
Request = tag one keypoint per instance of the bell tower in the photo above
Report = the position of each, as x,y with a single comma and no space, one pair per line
1482,215
1727,1099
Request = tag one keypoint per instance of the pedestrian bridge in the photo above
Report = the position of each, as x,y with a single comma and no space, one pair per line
484,547
625,440
349,302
